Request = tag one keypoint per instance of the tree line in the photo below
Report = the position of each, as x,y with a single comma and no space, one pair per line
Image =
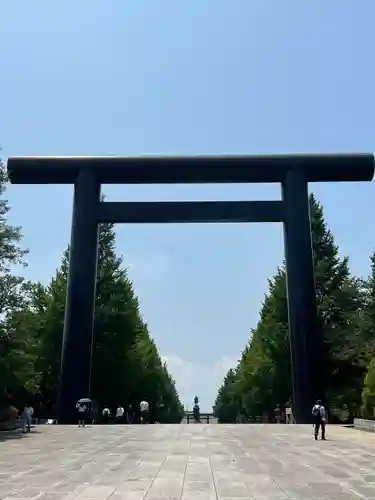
126,365
346,309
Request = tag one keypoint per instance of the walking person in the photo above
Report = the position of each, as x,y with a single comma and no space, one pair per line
81,413
106,414
120,415
289,418
28,413
130,415
319,418
277,412
145,410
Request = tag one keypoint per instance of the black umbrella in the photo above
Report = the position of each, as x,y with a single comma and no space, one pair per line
84,400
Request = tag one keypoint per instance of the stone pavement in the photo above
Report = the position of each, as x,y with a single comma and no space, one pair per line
201,462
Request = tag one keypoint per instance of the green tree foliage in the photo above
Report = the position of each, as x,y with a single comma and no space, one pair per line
17,348
368,393
263,375
126,366
368,317
224,407
371,300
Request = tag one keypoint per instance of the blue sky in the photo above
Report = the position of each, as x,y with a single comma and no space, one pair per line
146,77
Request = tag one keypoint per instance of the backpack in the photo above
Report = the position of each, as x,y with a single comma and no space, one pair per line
317,411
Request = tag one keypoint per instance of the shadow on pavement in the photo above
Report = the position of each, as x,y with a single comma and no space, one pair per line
15,434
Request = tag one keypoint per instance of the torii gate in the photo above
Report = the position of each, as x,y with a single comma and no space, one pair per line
294,172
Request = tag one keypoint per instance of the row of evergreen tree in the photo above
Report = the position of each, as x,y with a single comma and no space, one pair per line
346,308
126,365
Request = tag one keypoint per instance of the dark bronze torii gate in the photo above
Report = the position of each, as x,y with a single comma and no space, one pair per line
292,171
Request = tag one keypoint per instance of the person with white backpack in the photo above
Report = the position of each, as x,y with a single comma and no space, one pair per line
145,411
320,419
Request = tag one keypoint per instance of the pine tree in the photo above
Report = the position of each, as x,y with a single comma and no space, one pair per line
367,331
264,371
371,297
126,366
152,380
225,408
368,324
368,393
340,302
117,324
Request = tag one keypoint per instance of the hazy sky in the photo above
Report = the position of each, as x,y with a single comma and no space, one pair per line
186,77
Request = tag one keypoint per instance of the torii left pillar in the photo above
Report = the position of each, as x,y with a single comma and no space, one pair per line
76,356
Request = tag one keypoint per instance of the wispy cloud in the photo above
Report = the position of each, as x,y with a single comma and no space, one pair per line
198,379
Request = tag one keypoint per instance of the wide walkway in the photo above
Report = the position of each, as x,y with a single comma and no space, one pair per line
187,462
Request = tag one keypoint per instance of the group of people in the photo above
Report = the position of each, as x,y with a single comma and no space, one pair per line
286,416
120,417
319,417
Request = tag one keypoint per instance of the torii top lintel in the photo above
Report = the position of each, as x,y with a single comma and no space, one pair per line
191,169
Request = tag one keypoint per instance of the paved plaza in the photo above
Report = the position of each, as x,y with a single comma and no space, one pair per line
196,461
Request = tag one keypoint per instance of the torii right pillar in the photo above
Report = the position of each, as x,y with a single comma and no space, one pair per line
305,334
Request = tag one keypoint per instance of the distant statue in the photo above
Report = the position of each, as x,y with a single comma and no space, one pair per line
196,410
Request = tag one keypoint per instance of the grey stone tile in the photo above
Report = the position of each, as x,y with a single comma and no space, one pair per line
30,493
68,487
96,493
367,492
138,485
198,495
166,488
232,489
199,486
130,495
51,496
